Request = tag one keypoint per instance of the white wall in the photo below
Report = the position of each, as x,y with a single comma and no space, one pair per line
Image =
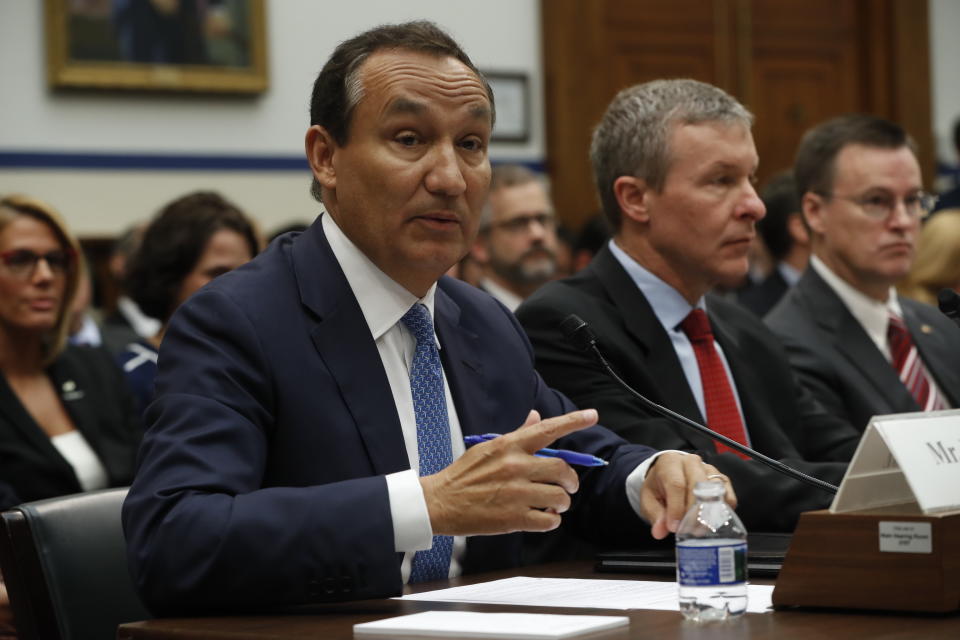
501,35
945,76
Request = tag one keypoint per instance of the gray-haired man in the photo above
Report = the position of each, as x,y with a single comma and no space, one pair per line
674,161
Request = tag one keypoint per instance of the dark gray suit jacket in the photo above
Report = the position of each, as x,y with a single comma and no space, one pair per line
784,422
838,362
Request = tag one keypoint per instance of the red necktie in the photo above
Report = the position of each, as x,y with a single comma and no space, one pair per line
907,362
722,413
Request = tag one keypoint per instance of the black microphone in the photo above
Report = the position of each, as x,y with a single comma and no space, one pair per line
949,303
582,337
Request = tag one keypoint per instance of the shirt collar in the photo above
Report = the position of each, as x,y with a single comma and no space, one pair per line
790,275
508,298
668,305
382,300
872,314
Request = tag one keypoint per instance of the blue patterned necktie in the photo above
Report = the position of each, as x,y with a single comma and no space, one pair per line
433,431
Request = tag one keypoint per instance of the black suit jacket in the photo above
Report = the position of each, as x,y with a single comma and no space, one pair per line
762,297
261,477
843,368
94,394
784,422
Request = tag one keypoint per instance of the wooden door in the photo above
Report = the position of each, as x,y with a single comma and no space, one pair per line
794,63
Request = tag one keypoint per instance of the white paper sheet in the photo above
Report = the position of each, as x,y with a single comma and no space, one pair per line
472,624
575,592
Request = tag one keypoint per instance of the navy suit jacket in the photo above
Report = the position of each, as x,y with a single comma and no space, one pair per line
784,422
843,368
261,476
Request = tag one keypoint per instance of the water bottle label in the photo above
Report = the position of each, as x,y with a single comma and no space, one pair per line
710,566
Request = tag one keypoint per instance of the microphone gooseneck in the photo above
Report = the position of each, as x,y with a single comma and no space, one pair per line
949,302
582,336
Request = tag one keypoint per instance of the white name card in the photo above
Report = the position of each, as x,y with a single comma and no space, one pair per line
905,459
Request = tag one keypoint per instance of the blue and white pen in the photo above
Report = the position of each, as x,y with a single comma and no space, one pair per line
570,457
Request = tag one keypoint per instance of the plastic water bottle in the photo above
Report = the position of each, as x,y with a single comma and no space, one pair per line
711,558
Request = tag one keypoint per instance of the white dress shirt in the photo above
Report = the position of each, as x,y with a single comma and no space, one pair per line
671,308
507,298
873,315
383,303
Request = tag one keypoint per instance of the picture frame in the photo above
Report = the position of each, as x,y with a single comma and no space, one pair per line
512,96
157,45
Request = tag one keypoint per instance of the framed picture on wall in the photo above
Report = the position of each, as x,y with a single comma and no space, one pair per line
513,106
216,46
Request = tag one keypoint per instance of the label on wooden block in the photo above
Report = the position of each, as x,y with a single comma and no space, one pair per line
906,537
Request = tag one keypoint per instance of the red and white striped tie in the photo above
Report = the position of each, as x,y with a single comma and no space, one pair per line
913,373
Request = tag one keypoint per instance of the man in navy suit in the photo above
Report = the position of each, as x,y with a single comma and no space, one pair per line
284,462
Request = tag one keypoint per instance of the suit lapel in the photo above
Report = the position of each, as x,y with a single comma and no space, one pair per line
852,342
344,343
460,354
16,414
660,362
935,352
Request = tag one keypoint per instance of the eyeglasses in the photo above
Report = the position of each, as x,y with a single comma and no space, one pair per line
520,224
880,206
23,262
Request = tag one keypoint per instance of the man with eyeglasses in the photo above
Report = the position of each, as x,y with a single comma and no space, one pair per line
861,349
517,243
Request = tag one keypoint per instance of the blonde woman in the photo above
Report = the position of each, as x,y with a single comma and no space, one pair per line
67,423
937,263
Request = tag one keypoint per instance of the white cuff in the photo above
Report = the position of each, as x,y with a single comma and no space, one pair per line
634,482
408,510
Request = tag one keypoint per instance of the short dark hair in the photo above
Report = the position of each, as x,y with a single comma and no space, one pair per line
781,199
172,245
815,165
337,89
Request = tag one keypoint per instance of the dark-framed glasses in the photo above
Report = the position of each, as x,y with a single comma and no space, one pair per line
882,204
23,262
520,224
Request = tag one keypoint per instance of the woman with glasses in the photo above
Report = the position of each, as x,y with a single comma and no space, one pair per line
67,423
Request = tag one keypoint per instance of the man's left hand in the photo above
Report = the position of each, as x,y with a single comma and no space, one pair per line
668,490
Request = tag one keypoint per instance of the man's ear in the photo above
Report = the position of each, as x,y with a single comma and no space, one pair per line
633,197
812,206
321,147
798,230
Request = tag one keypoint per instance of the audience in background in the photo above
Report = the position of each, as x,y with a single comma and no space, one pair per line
67,423
593,236
937,262
192,240
127,323
787,243
859,348
84,330
517,243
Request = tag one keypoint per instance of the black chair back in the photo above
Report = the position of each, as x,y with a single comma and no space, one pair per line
65,566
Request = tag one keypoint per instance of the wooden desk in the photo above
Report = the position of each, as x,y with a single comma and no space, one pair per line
335,621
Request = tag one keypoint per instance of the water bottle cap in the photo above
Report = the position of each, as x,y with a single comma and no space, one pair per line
709,489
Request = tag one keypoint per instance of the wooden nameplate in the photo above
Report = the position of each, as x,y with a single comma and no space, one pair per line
894,558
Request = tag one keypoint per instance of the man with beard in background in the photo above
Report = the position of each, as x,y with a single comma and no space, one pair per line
517,243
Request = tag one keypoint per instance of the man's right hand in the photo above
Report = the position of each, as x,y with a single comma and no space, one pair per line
499,486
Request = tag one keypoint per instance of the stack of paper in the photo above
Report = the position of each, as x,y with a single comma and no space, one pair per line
472,624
